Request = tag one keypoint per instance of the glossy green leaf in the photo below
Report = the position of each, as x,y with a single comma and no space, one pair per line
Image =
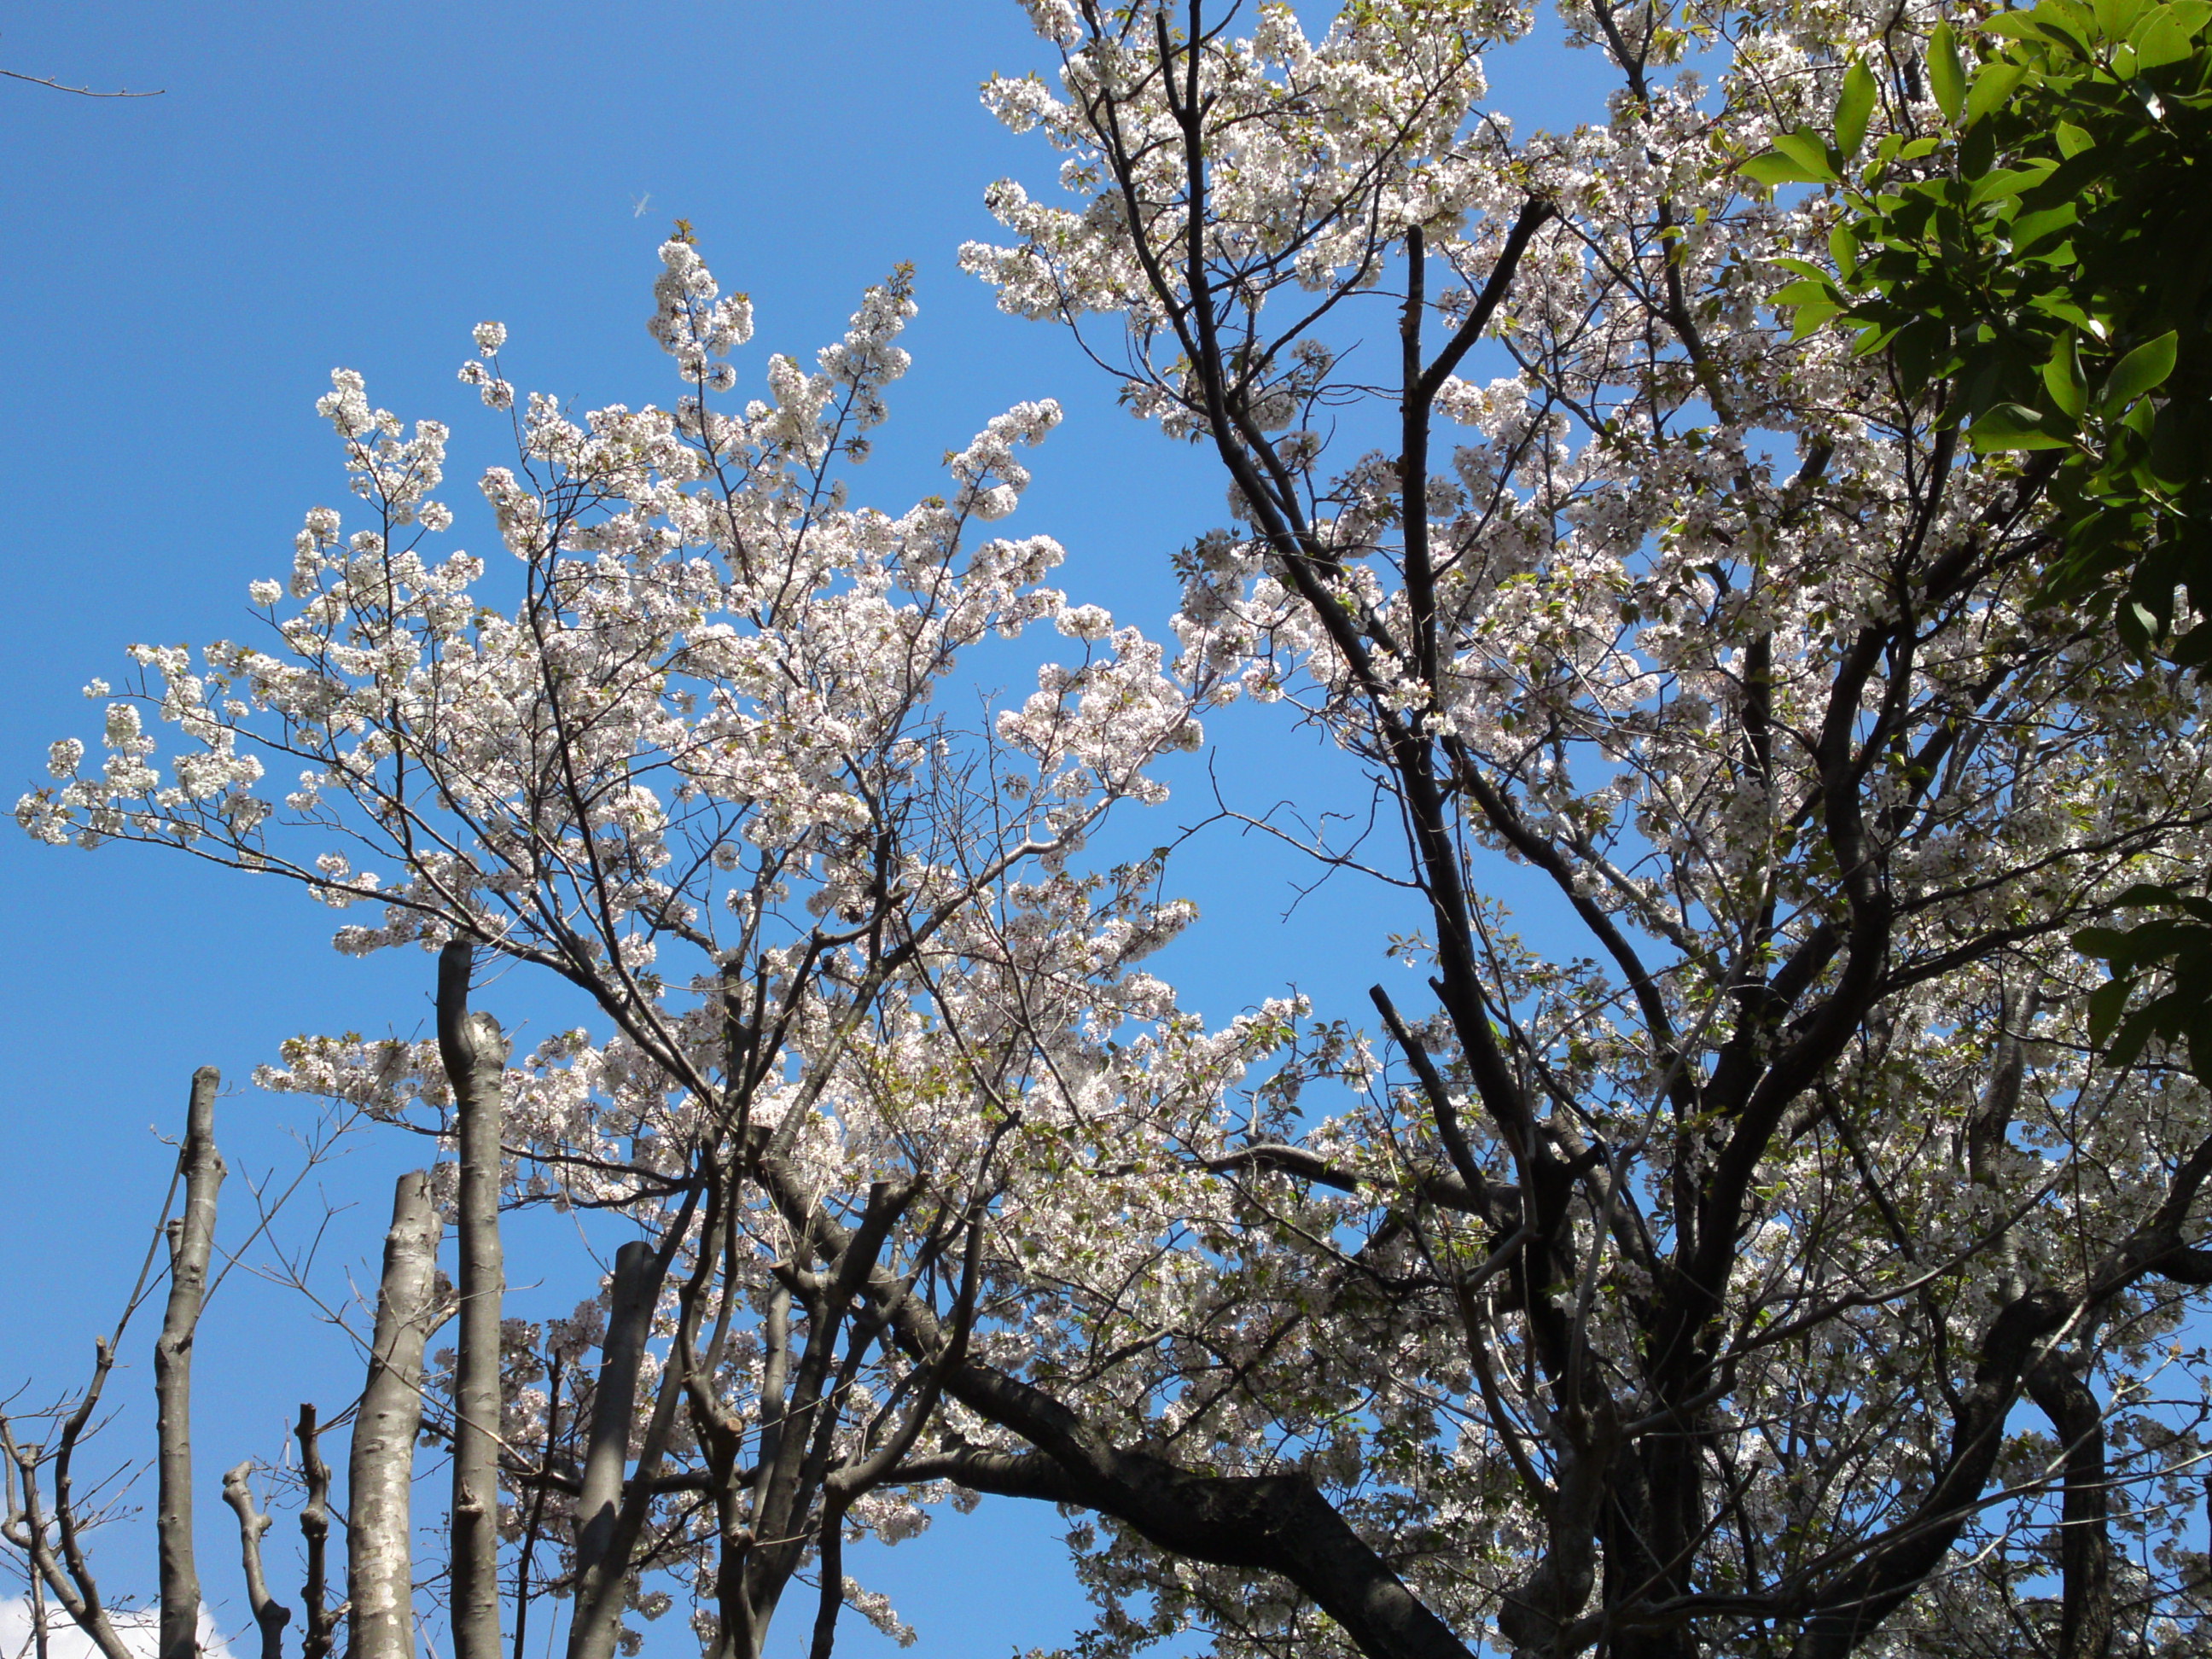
2011,427
2142,370
1802,268
2116,19
1810,315
2029,228
1946,72
2070,24
2106,1003
2162,42
2006,181
1770,168
1807,148
2066,311
1872,338
2063,379
1995,82
1844,249
1854,108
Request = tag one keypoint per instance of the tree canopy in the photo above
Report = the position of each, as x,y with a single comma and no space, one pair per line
1746,1245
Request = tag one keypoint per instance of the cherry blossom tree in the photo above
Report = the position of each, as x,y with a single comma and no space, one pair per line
1773,1267
845,947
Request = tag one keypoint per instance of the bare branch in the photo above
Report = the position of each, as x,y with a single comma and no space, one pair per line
270,1614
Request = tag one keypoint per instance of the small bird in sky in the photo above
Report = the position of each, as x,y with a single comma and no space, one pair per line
638,204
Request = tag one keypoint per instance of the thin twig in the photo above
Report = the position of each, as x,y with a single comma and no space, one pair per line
82,91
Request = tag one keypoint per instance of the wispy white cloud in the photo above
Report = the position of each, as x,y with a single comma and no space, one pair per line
139,1631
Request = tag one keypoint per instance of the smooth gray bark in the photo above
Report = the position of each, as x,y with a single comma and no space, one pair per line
630,1314
270,1615
192,1242
475,1055
380,1471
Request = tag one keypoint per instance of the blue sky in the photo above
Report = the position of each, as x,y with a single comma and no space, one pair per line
324,186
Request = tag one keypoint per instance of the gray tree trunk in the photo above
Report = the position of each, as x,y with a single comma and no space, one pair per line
192,1241
630,1314
475,1055
380,1471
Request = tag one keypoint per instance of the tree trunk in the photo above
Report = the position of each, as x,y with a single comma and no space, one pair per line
2085,1545
629,1314
602,1555
381,1472
475,1055
192,1241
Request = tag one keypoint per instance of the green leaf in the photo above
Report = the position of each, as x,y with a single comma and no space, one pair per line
1872,338
1771,168
1947,73
2065,311
1844,249
2067,24
1807,148
1811,313
2117,18
2029,228
1802,268
1977,150
2160,43
1992,86
2008,181
2011,427
2072,140
2105,943
2063,379
2106,1003
2142,370
1854,107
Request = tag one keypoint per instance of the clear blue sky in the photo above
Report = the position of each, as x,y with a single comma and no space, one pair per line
324,185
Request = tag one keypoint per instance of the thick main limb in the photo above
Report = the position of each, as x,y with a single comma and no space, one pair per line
381,1472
